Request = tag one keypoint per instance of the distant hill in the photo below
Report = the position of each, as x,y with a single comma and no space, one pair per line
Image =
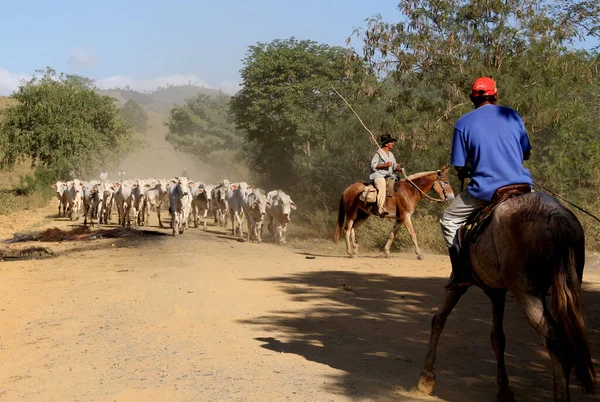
161,100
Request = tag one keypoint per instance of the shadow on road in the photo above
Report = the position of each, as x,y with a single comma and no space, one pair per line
375,328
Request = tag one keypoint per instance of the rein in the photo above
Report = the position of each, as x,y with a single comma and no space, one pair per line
567,201
428,197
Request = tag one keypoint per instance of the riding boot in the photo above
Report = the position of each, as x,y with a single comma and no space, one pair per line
460,275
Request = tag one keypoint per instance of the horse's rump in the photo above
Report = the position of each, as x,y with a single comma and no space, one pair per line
532,244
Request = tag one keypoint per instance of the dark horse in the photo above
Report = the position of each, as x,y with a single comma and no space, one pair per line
532,243
353,212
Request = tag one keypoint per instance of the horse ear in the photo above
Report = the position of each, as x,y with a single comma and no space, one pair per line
439,173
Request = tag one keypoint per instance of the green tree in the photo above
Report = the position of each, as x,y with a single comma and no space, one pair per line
62,125
203,126
286,105
439,47
135,116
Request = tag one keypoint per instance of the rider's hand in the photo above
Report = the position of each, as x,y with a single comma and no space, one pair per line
390,164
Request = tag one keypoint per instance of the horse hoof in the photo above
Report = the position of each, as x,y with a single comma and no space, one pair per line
506,395
352,255
426,383
420,257
388,255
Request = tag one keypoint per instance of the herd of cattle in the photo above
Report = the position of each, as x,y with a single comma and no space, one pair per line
185,200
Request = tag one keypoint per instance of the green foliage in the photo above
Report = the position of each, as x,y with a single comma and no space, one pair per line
62,125
287,105
439,48
204,127
135,116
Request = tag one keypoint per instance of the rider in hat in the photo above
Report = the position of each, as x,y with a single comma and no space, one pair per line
383,165
493,141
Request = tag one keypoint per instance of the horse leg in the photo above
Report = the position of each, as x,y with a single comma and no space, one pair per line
348,231
360,219
413,236
427,380
391,238
539,318
498,298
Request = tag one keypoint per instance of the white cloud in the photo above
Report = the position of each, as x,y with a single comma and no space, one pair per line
9,82
82,58
120,81
229,87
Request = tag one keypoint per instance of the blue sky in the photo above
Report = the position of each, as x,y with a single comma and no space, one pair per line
150,43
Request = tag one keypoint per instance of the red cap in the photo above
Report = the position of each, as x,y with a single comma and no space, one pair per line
484,86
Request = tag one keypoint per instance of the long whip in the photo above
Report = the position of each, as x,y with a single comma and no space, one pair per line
377,145
565,200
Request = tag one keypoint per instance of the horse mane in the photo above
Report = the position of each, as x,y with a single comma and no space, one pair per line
415,176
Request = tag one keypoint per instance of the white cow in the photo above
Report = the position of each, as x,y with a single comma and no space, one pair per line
61,196
254,206
279,208
236,193
122,197
156,195
93,196
74,198
108,201
180,203
220,207
201,201
136,202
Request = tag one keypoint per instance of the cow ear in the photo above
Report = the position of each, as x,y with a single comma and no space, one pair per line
53,186
269,204
292,205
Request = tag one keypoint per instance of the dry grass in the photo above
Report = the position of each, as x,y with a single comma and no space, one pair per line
11,202
316,232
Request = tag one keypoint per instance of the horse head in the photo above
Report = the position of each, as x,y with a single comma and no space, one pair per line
441,185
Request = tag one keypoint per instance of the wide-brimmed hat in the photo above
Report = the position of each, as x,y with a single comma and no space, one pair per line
385,138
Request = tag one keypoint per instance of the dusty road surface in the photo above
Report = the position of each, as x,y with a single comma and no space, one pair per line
204,317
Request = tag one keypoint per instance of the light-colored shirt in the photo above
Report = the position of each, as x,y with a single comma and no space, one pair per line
379,158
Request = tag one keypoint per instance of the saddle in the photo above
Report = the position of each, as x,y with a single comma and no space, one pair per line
369,193
478,220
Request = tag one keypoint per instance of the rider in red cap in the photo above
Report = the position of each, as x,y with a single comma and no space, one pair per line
492,142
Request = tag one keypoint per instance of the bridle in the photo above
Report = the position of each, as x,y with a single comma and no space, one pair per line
438,181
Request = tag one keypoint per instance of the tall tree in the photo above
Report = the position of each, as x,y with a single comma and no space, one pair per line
61,124
287,104
203,126
439,47
135,116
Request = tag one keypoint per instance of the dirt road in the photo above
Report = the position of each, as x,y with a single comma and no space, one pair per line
204,317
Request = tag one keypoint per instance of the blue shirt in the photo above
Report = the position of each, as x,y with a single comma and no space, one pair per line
493,139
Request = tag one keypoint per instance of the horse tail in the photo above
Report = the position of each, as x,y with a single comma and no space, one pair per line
340,221
568,261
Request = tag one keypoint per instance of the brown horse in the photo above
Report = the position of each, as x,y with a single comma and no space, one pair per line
532,243
354,212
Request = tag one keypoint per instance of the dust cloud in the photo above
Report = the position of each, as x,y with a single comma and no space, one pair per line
157,158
